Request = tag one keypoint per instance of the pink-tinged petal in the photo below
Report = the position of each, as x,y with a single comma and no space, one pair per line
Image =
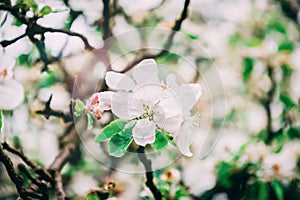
197,89
11,94
146,72
184,138
144,132
105,100
124,106
118,81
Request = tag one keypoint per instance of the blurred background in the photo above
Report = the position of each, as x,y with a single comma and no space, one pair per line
244,53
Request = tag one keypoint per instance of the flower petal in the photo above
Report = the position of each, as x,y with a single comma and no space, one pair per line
184,138
118,81
189,95
146,72
11,94
124,106
171,83
105,100
144,132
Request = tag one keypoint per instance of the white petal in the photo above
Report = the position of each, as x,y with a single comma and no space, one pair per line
146,72
149,93
124,107
171,83
118,81
105,100
189,95
11,94
144,132
185,136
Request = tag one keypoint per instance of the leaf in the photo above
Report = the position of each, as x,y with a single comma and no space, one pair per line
45,11
253,42
263,191
278,189
286,46
287,100
160,141
248,64
79,106
92,196
110,130
119,144
16,22
90,121
224,172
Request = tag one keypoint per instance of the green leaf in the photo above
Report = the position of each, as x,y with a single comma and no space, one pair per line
287,100
278,189
293,133
160,141
224,172
92,196
45,11
248,64
90,121
263,191
79,108
119,144
16,22
110,130
253,42
286,46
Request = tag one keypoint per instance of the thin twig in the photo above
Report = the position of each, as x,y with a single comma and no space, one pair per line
47,112
149,173
168,43
6,43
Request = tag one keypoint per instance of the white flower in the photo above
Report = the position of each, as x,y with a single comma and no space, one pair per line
154,104
11,91
188,94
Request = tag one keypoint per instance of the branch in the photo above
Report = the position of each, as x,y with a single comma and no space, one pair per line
6,43
149,173
47,112
168,43
59,188
106,19
38,169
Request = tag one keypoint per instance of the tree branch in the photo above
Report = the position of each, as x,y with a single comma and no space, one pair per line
149,173
168,43
47,112
6,43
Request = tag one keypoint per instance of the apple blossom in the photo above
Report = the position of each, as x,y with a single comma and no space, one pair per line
154,105
11,91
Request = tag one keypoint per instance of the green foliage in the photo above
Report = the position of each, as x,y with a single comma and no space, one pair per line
90,121
112,129
224,173
262,190
248,64
50,79
119,143
45,11
278,189
286,46
287,100
92,196
160,141
79,108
